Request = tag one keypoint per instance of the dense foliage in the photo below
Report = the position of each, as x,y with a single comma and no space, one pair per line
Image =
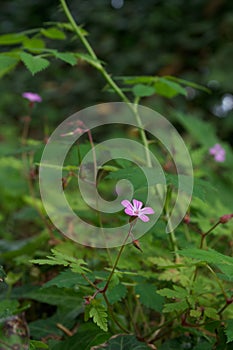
162,291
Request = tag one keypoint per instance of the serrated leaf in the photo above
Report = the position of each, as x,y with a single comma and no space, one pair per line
210,256
34,64
68,279
229,330
176,306
99,314
7,63
116,293
200,189
148,296
211,313
122,342
195,313
141,90
177,292
67,57
59,258
53,33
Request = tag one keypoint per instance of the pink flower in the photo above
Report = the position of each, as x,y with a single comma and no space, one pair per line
30,96
218,152
135,209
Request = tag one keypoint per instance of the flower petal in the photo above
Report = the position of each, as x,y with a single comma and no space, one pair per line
126,204
147,210
137,204
129,211
143,217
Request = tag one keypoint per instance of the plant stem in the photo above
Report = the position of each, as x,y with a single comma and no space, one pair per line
113,316
107,77
203,235
118,256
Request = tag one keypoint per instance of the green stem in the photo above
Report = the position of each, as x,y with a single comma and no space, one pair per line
107,77
113,316
203,235
118,256
218,282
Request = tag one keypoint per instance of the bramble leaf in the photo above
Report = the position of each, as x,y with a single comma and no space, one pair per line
67,57
34,64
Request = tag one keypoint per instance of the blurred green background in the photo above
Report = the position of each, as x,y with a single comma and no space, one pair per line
191,40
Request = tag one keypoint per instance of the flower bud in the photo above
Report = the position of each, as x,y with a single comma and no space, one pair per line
225,218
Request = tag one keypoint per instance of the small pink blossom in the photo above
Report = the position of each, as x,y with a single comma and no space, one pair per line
32,97
136,209
218,152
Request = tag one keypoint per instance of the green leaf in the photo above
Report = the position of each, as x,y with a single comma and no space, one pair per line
116,293
210,256
52,296
201,187
141,90
87,336
67,57
34,44
177,292
211,313
229,330
7,63
68,279
12,39
59,258
37,345
148,296
53,33
176,306
123,342
99,315
168,88
8,308
34,64
188,83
